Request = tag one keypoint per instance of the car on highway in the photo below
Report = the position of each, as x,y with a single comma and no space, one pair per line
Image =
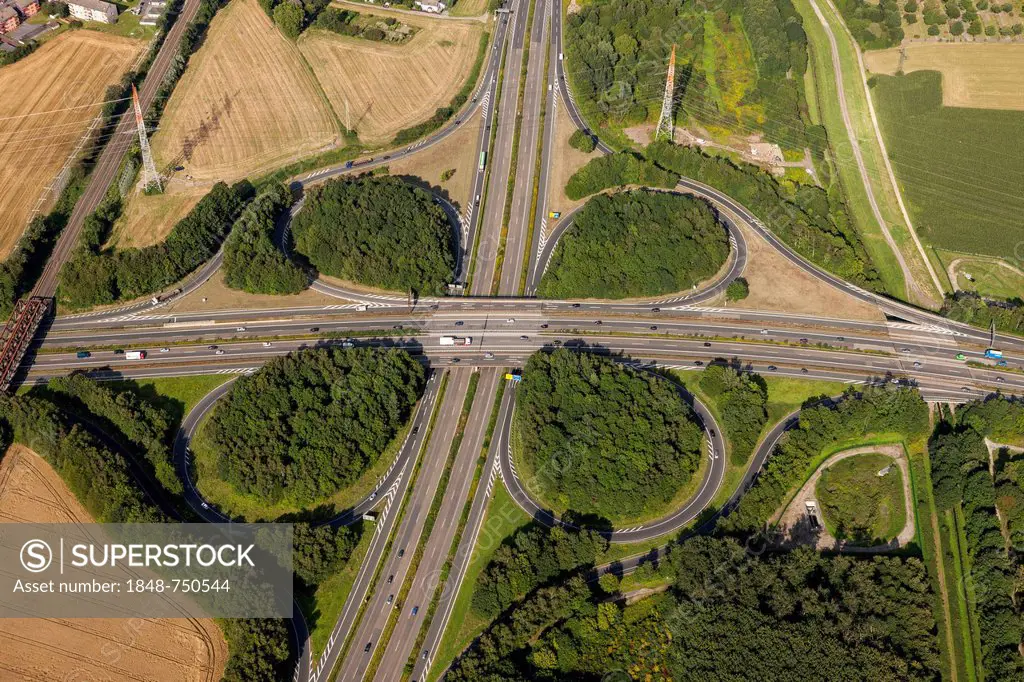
917,364
454,361
239,329
904,350
415,430
391,578
654,327
213,347
82,354
459,323
961,356
803,370
401,553
165,350
524,337
267,344
426,652
1001,363
655,310
119,351
840,338
1000,380
510,320
557,342
544,326
804,341
373,496
366,649
764,331
575,305
698,363
598,322
488,356
314,329
219,351
415,610
391,599
965,389
707,345
772,368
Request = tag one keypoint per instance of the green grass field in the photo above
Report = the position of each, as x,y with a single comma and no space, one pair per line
177,395
859,505
957,167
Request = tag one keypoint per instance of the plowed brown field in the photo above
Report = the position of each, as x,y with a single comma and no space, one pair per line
97,650
49,98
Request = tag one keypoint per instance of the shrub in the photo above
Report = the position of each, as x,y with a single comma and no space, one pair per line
737,290
582,141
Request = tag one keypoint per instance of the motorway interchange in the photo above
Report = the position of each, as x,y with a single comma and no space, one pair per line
904,345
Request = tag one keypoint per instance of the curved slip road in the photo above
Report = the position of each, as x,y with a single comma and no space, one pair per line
711,482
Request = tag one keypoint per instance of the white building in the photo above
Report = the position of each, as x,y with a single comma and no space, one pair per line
435,6
93,10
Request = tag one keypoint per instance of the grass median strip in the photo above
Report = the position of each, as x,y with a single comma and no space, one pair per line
463,520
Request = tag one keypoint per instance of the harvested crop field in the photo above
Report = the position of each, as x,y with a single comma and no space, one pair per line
101,650
246,103
50,98
378,89
976,75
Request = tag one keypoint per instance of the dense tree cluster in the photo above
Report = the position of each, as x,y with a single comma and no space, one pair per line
875,25
729,615
583,141
875,409
616,55
309,423
99,478
601,438
617,170
810,220
377,231
638,243
742,401
967,306
321,550
960,476
260,650
143,425
252,261
532,557
998,417
96,277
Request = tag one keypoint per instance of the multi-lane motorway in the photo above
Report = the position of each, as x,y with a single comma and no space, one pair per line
408,556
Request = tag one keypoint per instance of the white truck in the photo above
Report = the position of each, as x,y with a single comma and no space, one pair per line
135,355
456,341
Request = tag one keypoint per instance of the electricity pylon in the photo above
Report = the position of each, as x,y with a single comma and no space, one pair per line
149,174
665,122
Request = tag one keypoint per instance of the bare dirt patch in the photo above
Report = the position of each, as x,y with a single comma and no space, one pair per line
777,284
458,152
49,99
148,219
565,160
102,650
377,88
974,75
247,103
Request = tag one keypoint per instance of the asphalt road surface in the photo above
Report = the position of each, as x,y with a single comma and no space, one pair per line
384,599
428,574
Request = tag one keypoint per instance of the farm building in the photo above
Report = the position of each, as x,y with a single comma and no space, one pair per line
93,10
9,19
435,6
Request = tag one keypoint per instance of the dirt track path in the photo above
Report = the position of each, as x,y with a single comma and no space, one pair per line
795,511
912,285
